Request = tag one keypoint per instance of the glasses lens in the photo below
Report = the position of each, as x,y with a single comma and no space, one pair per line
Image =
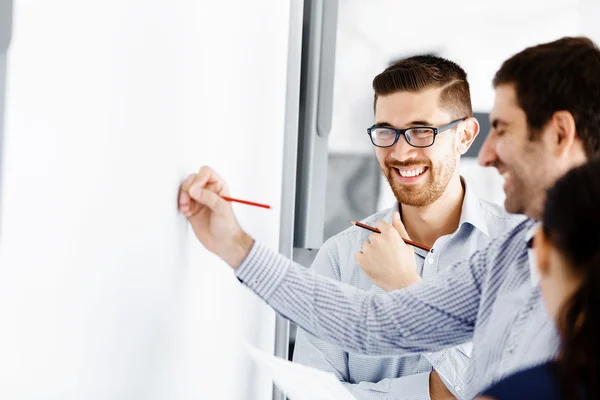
383,136
420,137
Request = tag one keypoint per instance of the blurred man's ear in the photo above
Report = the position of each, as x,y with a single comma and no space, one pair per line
563,133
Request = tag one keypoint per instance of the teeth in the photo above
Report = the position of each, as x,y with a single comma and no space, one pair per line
412,172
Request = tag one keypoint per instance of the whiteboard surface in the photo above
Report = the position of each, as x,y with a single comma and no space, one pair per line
104,293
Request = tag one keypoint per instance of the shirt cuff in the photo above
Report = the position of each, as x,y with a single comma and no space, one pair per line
262,270
410,387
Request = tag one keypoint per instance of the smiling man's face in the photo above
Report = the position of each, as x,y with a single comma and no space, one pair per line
417,176
526,166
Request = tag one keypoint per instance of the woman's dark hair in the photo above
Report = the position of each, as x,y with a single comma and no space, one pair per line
572,223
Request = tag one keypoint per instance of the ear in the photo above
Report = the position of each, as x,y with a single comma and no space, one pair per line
468,134
564,133
541,246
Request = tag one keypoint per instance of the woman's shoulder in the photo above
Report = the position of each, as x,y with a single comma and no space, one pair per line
538,382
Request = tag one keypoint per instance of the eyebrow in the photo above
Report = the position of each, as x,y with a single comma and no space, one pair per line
411,123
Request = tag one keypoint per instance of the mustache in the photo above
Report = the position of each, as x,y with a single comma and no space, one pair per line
408,163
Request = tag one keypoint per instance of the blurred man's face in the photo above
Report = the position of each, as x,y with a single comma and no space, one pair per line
417,176
525,165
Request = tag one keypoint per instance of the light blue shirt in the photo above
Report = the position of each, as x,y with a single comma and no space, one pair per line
487,298
399,377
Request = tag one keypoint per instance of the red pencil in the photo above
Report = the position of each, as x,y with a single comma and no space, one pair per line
372,229
250,203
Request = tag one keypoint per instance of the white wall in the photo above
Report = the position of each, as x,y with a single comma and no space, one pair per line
104,293
589,10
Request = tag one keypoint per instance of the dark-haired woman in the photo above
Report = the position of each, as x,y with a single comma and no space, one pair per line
567,249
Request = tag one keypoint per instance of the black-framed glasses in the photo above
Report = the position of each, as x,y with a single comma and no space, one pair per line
416,136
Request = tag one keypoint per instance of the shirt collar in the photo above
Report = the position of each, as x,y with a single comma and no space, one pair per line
471,213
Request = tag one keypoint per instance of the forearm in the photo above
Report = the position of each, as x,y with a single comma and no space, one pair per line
355,320
411,387
317,353
452,366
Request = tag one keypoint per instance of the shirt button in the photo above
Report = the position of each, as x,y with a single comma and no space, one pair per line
430,260
458,388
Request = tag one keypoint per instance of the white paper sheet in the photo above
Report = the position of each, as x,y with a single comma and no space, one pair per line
297,381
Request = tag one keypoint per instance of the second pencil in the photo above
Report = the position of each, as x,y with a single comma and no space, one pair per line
407,241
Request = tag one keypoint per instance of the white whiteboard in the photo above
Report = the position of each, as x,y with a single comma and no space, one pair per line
104,294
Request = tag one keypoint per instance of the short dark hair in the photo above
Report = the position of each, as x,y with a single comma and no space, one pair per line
421,72
557,76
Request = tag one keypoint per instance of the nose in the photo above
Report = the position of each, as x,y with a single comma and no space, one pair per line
402,150
487,156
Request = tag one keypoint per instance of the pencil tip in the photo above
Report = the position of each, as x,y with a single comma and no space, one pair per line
352,222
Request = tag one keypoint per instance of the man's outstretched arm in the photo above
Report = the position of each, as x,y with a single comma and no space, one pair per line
427,316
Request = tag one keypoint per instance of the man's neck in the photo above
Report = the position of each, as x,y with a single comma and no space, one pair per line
426,224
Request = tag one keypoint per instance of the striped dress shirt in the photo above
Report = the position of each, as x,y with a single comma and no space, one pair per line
400,377
487,298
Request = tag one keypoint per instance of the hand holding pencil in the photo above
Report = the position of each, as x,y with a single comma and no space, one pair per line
407,241
386,258
202,200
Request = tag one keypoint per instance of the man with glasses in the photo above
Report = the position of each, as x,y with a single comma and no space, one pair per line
423,124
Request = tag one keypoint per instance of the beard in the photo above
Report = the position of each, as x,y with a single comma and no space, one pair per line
525,195
514,201
426,192
525,186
